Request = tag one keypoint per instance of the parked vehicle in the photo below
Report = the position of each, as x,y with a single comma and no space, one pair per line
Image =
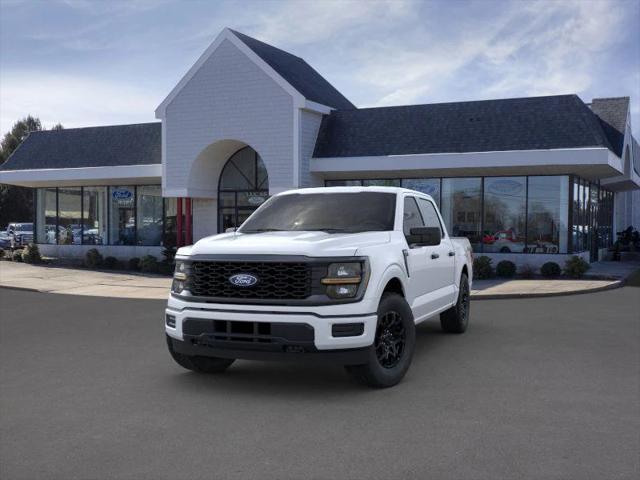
503,241
5,240
20,234
339,274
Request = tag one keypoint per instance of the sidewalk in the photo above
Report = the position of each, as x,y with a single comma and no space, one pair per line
77,281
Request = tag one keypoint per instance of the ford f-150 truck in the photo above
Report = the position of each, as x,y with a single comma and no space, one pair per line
338,274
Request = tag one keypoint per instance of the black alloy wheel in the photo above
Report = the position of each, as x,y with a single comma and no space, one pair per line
390,339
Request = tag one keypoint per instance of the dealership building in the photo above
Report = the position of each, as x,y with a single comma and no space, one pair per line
526,179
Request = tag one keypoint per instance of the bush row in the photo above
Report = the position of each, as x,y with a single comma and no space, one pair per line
575,267
146,264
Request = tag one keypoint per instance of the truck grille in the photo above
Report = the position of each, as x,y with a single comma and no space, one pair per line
276,280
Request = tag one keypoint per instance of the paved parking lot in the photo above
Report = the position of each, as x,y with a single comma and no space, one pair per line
537,388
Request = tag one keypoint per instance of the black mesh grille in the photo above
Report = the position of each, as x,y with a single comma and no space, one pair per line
276,280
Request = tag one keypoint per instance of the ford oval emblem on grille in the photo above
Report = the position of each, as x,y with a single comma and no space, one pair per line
243,280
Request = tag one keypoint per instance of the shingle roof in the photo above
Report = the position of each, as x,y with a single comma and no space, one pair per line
298,73
612,113
109,146
532,123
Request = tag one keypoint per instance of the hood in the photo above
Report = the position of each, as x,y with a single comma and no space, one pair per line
312,244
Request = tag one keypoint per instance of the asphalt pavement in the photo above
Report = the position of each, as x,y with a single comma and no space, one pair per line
537,388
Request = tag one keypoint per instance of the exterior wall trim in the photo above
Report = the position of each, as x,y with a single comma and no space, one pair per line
82,176
454,161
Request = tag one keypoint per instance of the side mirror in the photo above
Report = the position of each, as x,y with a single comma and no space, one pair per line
424,237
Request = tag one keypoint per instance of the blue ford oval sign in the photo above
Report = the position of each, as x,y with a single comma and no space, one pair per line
122,194
243,280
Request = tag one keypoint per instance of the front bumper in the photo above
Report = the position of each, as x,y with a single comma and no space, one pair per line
244,328
345,356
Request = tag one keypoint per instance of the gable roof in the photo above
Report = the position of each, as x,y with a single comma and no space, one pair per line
298,73
533,123
292,73
109,146
612,113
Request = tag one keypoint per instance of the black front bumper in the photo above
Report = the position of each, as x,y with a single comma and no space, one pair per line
206,346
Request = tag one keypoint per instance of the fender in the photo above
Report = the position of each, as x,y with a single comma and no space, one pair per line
394,270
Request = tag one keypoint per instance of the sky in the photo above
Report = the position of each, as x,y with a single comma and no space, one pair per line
85,63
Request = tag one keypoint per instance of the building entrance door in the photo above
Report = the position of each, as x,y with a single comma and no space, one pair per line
244,186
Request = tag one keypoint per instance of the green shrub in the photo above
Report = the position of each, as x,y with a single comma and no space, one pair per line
31,254
550,270
1,252
134,263
165,268
16,256
93,258
482,268
110,263
527,271
149,264
576,267
505,269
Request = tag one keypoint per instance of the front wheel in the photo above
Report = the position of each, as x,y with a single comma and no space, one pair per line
456,319
392,349
199,364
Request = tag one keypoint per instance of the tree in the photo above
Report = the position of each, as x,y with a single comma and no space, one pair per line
18,133
16,203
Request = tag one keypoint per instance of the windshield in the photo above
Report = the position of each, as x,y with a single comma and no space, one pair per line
329,212
24,227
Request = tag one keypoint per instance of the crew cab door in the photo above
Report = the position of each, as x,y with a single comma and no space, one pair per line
424,282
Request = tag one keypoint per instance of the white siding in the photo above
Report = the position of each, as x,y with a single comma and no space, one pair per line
309,126
205,218
229,97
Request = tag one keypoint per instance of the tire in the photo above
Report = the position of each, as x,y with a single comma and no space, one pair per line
505,250
395,331
199,364
456,319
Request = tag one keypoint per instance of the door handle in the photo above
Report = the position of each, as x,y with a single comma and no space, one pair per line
452,253
434,256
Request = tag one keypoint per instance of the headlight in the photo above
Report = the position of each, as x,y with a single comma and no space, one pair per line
343,279
180,277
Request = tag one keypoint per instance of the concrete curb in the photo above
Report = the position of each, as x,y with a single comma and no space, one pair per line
499,296
26,289
506,296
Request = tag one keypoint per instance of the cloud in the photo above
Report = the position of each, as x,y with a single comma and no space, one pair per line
72,100
295,22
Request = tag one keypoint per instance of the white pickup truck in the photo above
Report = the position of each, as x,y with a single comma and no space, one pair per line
340,274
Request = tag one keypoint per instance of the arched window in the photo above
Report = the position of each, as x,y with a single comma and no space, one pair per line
244,186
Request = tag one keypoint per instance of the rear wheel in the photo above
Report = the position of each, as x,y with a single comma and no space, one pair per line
199,364
456,319
392,349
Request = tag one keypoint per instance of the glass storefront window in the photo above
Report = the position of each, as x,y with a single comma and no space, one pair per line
505,214
548,211
430,186
46,216
69,216
122,218
461,208
170,221
94,215
244,186
381,183
343,183
149,215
